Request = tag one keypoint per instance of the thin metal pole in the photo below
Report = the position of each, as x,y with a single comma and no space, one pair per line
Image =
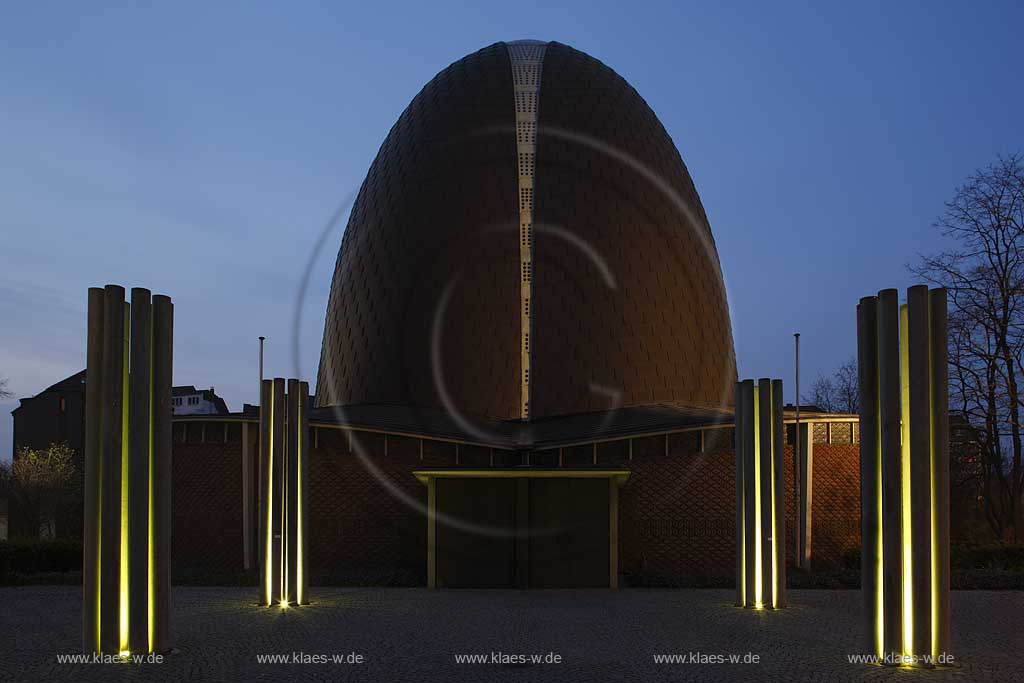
797,502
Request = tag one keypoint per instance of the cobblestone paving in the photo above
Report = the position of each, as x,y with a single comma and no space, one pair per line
411,634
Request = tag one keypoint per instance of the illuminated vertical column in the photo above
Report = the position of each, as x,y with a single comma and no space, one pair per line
302,487
779,495
940,464
112,441
905,474
739,433
160,469
766,488
920,430
751,563
870,475
126,549
889,411
266,488
302,585
139,442
93,449
760,495
291,498
277,496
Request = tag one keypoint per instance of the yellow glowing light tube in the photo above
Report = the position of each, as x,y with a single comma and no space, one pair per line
908,539
758,570
300,598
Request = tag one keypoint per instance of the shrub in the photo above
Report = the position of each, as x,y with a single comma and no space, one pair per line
1003,556
36,557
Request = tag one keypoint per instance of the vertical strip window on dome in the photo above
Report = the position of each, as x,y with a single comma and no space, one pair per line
526,58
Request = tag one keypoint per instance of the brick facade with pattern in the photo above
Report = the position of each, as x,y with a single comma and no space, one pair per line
206,497
367,523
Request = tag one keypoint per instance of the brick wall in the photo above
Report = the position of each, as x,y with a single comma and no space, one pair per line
366,523
677,511
206,497
835,507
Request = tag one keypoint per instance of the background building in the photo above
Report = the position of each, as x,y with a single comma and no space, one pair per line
55,414
191,401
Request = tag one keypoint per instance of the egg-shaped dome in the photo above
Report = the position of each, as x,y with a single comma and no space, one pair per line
527,243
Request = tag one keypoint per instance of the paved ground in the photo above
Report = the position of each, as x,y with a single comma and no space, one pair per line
414,635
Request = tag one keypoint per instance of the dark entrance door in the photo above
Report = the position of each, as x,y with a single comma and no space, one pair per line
569,533
533,532
468,558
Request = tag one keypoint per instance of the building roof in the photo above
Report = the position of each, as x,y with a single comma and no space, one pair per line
561,431
71,383
76,382
544,433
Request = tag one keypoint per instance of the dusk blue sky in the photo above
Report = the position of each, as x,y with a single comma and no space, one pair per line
199,149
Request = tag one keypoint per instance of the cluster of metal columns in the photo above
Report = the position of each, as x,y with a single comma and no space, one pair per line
283,498
760,496
127,520
904,454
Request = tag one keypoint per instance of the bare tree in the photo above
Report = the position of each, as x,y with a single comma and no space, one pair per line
4,393
838,393
984,276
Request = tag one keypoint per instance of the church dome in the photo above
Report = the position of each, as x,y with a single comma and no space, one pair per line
527,243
